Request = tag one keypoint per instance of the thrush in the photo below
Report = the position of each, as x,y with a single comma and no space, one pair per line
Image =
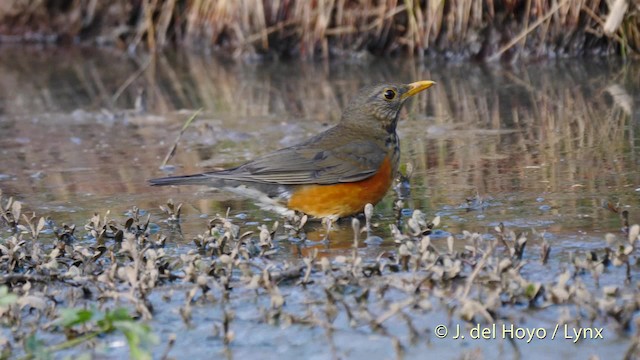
333,174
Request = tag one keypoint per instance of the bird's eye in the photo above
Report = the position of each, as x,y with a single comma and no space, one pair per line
389,94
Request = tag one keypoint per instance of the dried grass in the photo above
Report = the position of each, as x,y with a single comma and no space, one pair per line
311,29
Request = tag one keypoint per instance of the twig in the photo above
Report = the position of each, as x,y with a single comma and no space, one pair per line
393,310
173,148
526,32
476,270
73,342
132,78
600,22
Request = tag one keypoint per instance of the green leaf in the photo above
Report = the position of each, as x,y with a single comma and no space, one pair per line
72,317
139,337
532,290
119,314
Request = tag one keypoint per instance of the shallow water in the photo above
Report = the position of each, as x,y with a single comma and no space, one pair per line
552,146
541,145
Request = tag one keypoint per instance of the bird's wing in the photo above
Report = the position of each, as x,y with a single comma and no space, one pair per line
354,161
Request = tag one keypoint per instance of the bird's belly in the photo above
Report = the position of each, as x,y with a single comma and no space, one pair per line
344,199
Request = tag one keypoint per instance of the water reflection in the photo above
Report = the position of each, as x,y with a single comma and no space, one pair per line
540,145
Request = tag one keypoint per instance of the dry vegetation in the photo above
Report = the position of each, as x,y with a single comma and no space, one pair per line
59,292
308,29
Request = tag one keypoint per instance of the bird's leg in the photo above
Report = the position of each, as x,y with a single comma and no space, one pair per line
328,223
368,213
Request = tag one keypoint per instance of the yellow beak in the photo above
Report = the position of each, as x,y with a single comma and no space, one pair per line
416,87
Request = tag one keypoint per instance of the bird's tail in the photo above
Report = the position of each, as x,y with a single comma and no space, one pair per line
198,179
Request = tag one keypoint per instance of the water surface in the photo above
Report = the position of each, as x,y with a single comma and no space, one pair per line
551,146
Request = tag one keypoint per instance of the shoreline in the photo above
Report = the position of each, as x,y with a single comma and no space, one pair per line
335,29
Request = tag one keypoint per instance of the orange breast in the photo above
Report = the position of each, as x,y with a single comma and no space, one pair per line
342,199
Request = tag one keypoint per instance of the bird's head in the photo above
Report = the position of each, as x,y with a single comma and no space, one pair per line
378,106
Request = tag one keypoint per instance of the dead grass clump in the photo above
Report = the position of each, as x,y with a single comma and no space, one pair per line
310,29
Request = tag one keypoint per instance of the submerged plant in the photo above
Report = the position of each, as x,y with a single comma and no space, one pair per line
81,326
470,277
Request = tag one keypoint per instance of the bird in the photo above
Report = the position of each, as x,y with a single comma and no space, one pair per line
333,174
